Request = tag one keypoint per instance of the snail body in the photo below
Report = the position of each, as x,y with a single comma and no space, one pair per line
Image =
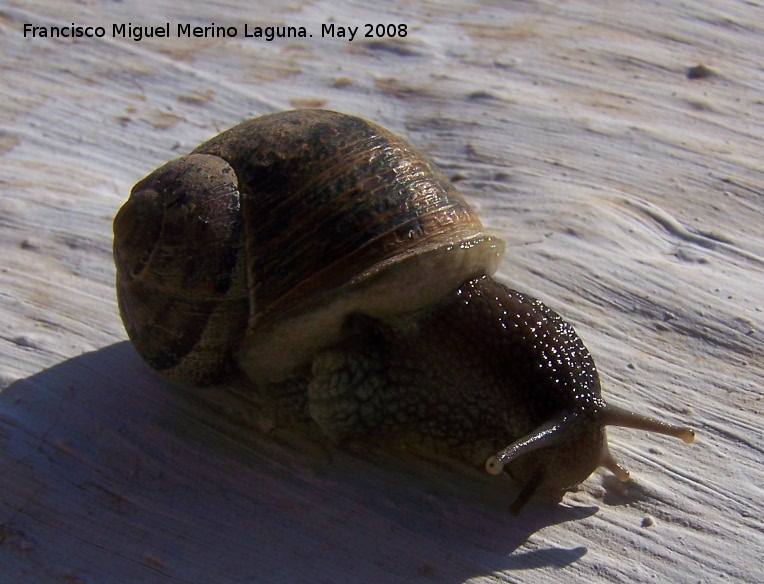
316,248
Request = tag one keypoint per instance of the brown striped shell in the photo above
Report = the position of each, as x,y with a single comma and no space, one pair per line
252,250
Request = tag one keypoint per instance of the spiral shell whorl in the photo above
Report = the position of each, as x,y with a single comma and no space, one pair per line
327,197
181,282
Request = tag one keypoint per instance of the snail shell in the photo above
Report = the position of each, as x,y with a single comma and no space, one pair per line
319,247
327,208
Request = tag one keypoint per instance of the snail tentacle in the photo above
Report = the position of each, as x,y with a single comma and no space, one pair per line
616,416
545,436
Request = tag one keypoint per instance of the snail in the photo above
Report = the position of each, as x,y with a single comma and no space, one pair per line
318,251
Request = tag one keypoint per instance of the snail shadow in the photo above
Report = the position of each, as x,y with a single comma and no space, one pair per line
109,472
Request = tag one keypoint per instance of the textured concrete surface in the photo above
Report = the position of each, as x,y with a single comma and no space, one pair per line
627,182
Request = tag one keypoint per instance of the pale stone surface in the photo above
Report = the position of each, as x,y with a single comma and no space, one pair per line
628,186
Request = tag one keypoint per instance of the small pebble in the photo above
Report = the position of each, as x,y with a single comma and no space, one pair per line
699,72
648,521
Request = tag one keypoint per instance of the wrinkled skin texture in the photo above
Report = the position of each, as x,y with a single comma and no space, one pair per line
478,370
